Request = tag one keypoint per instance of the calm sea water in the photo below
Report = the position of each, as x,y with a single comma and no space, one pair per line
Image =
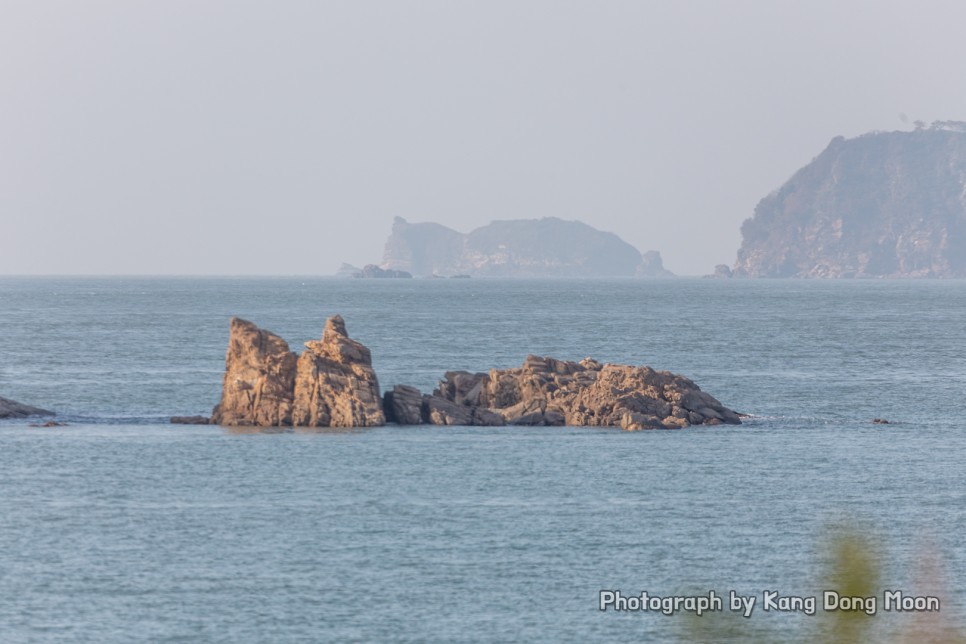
122,528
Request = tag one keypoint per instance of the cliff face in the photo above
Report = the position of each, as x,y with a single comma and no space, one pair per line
422,249
259,379
881,205
547,247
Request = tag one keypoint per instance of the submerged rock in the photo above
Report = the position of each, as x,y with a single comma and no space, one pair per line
13,409
190,420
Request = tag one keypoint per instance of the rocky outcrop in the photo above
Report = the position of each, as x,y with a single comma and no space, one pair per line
331,384
259,383
546,391
189,420
721,271
335,385
13,409
373,271
885,204
548,247
403,405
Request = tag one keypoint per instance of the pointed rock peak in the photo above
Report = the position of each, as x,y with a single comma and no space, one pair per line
238,323
335,324
337,345
245,336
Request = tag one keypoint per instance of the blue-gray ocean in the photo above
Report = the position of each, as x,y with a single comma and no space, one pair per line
120,527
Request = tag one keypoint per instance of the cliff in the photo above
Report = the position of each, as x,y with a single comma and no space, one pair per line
548,247
886,204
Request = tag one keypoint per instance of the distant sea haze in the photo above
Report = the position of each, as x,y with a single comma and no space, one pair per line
881,205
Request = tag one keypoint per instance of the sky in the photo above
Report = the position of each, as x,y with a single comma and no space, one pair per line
281,138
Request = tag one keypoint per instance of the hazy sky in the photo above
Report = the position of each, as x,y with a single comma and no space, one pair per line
201,136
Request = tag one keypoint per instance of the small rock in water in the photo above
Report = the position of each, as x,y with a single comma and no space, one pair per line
49,423
880,421
190,420
13,409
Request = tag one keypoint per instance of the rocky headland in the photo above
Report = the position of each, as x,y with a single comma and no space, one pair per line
885,204
547,247
332,384
13,409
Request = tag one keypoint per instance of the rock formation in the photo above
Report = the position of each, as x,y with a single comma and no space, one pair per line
652,266
403,405
347,270
548,247
373,271
13,409
335,385
259,384
721,271
189,420
885,204
546,391
332,384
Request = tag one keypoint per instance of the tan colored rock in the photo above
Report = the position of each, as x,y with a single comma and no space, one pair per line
335,385
259,379
546,391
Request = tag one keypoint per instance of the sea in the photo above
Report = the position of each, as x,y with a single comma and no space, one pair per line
121,527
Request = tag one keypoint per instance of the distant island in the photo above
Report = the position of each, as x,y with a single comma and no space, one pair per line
885,204
548,247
